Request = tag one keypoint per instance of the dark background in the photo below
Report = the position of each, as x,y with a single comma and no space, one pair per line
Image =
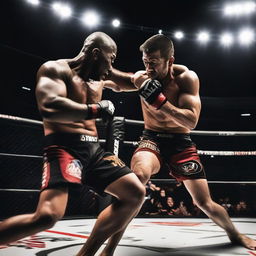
31,35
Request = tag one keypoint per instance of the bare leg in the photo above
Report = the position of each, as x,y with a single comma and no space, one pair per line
130,192
114,240
51,207
199,191
112,243
144,164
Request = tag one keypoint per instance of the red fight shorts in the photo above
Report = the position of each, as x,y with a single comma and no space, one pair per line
175,150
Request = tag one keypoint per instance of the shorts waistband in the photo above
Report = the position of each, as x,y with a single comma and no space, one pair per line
163,135
88,138
68,138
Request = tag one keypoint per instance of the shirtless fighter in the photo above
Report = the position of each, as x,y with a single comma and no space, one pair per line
69,100
171,107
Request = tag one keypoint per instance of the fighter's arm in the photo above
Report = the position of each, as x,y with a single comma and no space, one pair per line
120,81
187,111
51,95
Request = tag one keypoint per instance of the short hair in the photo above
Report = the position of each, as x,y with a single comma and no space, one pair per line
99,40
159,42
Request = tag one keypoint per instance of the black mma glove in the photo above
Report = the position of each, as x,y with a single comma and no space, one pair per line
103,109
151,92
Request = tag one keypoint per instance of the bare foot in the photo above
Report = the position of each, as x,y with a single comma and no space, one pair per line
243,240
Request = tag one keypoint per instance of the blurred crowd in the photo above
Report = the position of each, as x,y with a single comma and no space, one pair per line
173,200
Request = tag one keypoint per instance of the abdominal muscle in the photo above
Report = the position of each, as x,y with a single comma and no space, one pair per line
160,122
83,127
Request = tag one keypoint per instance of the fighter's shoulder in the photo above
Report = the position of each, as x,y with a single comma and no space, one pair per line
184,74
54,68
139,77
139,74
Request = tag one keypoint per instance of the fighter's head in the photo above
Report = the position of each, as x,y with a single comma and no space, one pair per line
100,51
158,55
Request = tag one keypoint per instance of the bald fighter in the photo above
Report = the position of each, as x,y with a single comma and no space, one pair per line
68,94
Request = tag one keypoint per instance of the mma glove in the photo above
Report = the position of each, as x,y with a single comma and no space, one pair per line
151,92
103,109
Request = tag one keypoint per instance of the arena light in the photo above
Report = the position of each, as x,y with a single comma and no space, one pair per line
116,23
246,36
90,18
179,35
33,2
203,37
246,114
63,10
244,8
226,39
160,31
26,88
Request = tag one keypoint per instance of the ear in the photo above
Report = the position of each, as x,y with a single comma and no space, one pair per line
171,60
95,53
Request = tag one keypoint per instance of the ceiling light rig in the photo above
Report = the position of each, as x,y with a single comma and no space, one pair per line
245,37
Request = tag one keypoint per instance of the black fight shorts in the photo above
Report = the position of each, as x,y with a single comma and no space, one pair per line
71,159
175,150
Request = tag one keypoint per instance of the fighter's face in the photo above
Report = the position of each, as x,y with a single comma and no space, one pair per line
103,64
156,66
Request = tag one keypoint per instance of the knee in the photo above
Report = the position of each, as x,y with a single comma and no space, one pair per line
46,218
142,171
139,192
205,204
136,195
142,175
143,168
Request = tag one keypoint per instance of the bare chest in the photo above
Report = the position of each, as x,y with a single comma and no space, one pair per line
171,92
85,92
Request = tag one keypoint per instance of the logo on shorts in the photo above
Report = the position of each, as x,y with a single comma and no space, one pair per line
74,168
45,176
114,160
88,138
189,168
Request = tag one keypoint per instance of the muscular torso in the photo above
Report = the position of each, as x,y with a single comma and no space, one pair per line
158,120
78,91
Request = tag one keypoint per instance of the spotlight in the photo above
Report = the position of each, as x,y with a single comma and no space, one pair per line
90,18
246,36
63,10
203,37
244,8
33,2
226,39
179,35
116,23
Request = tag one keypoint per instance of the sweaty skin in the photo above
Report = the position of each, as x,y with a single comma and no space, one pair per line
74,92
181,87
65,86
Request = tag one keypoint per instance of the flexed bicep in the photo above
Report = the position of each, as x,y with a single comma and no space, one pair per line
189,98
190,102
